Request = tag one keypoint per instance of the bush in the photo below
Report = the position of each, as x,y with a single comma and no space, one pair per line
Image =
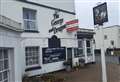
51,78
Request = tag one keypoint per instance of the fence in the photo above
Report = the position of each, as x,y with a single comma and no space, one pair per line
109,59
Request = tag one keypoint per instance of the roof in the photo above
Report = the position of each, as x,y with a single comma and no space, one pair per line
45,6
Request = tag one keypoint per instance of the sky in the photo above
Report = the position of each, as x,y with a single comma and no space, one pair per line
84,11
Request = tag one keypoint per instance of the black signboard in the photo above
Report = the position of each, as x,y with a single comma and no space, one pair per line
53,54
100,14
54,42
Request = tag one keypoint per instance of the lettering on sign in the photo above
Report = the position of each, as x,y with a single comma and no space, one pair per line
57,23
51,55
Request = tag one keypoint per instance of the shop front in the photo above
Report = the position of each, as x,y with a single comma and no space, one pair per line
86,45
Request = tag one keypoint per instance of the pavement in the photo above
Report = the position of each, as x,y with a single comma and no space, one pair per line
91,73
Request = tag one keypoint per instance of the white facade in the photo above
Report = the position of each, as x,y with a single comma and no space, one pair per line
111,34
11,42
14,9
38,38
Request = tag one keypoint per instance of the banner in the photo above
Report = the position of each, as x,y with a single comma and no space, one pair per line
51,55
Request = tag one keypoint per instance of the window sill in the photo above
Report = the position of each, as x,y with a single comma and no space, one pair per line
31,31
79,56
89,54
32,68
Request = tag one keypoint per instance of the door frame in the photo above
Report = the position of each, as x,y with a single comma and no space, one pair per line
3,60
72,54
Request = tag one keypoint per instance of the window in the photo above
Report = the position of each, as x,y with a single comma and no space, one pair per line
80,43
119,30
79,51
4,65
89,47
76,52
32,56
105,37
112,42
29,17
80,47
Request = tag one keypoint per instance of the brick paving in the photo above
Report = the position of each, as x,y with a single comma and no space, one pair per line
91,73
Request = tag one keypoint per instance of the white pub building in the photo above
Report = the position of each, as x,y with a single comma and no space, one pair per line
37,36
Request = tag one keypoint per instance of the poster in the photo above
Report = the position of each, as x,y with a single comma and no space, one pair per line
51,55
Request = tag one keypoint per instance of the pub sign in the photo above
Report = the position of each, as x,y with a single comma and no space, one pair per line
100,14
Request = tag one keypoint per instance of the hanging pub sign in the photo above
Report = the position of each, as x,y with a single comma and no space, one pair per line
57,23
100,14
51,55
72,25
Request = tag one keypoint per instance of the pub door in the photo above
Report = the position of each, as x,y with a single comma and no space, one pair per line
69,55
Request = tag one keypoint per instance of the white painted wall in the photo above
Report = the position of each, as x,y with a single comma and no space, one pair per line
11,39
14,9
112,34
44,17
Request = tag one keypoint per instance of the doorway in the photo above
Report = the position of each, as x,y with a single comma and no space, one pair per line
4,65
69,55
